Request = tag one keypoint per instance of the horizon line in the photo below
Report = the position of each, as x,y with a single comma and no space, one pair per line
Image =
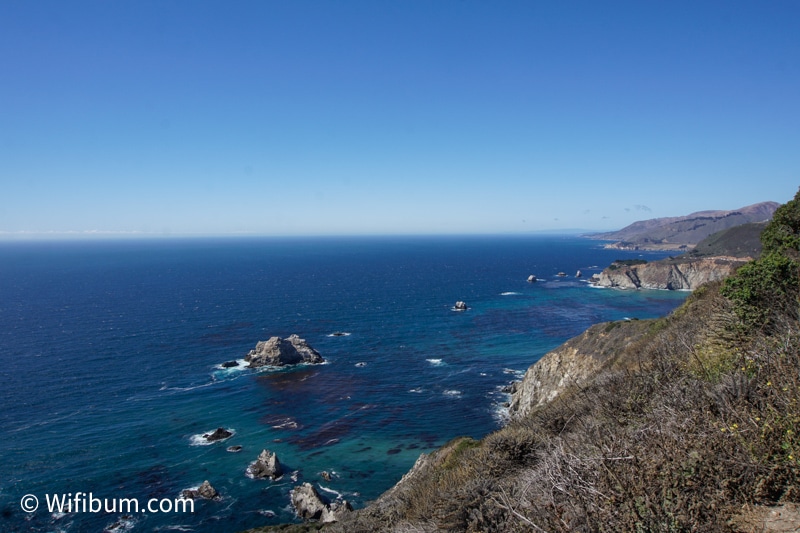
26,235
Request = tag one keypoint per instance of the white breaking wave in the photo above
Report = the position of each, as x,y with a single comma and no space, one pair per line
436,362
510,293
241,366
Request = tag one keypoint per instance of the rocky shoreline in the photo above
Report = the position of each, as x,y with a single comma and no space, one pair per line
667,274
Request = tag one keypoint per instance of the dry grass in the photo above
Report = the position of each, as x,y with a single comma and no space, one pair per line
689,424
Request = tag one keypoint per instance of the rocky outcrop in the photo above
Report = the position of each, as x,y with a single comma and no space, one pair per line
309,505
218,435
266,466
573,363
281,352
668,274
334,511
204,491
460,306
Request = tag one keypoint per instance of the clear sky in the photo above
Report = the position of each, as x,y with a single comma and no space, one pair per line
397,117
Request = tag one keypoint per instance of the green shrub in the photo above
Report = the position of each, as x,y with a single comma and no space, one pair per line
768,288
782,234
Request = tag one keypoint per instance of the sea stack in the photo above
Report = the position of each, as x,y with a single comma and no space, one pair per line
204,491
266,466
218,434
281,352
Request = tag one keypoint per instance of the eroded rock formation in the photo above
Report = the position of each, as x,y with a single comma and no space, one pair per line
280,352
666,274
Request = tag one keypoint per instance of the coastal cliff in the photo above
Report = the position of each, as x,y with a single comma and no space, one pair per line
668,274
573,364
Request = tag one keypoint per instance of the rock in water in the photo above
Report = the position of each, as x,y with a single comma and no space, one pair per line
460,306
334,511
207,491
307,502
218,434
310,505
280,352
266,466
531,279
204,491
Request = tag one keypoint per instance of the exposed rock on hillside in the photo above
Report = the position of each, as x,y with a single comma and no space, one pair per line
280,352
666,274
573,363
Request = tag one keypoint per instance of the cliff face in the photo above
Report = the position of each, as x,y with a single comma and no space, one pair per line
574,363
683,275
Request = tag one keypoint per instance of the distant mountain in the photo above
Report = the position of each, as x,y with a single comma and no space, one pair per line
683,233
739,241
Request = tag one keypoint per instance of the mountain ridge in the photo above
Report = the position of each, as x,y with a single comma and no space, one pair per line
683,232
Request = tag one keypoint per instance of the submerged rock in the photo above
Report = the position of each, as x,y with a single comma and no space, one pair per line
266,466
280,352
234,449
218,434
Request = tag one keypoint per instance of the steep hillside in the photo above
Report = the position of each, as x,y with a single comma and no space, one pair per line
742,242
679,427
682,233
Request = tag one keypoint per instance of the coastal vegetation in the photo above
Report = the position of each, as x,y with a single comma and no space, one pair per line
626,262
692,423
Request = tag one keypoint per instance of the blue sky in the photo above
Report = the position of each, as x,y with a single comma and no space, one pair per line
391,117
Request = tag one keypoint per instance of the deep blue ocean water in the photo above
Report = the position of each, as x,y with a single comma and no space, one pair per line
110,357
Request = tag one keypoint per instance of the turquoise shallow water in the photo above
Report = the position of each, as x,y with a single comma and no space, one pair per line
110,354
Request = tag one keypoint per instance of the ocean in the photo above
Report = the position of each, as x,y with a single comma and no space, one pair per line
111,357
